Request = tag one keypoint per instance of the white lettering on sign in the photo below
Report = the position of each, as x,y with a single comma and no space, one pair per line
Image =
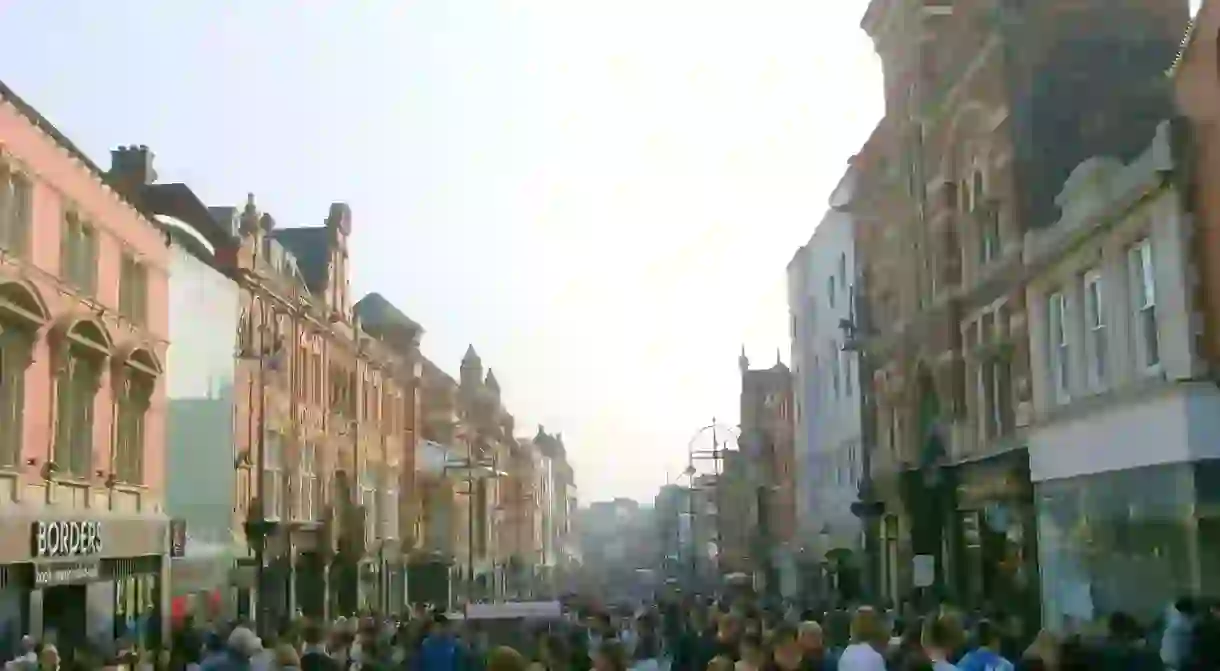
67,539
66,575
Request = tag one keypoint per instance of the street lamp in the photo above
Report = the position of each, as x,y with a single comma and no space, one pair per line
868,507
475,470
716,455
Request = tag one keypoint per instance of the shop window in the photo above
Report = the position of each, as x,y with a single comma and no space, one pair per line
1118,541
1144,292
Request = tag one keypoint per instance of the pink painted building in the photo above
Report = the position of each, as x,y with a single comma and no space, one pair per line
83,332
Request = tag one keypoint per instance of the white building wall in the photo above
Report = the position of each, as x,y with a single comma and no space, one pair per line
829,457
1137,414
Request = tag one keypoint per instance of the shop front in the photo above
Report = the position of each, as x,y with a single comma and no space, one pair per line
82,578
992,547
1123,540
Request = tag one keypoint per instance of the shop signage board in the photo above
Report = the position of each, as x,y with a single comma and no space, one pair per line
49,575
65,538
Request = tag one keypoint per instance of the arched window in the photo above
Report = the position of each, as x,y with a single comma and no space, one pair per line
135,380
21,313
85,350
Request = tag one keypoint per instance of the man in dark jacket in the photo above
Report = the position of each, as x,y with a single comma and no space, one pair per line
313,655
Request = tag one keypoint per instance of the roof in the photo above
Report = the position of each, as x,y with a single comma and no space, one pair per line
177,200
43,124
375,309
1187,40
310,246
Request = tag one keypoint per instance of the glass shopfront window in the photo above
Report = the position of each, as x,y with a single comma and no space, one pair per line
1115,541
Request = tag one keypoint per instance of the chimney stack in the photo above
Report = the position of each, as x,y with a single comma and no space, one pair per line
132,168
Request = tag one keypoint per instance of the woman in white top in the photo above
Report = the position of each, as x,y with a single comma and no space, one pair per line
868,639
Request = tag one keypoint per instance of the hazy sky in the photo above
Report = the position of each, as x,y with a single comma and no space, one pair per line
600,195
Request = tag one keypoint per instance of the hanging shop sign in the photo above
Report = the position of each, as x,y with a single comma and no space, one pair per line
66,538
177,538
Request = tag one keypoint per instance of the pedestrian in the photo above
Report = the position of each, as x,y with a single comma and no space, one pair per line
868,639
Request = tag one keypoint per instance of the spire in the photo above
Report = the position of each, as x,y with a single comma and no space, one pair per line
471,356
491,381
249,215
778,360
743,362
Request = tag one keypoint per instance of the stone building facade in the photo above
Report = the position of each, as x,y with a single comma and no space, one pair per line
326,433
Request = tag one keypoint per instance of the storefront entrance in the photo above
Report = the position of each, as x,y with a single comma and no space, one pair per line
64,615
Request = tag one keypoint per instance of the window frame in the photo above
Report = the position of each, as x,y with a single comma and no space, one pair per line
16,210
271,489
131,418
76,386
79,253
15,344
1059,345
133,289
1094,289
1141,266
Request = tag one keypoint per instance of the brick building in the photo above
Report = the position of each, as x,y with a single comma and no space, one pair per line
767,440
989,106
83,334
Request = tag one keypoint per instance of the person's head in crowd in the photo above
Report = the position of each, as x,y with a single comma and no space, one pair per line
553,651
610,656
244,643
787,651
810,637
48,657
868,627
939,638
314,635
729,628
505,658
988,635
752,652
286,656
